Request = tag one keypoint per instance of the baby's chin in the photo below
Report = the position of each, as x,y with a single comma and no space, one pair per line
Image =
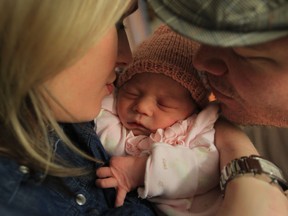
138,132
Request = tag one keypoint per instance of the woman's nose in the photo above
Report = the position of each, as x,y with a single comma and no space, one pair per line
210,59
144,106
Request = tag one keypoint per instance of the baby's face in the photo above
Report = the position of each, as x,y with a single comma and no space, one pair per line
150,101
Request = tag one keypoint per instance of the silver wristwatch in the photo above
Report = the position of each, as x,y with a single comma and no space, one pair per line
254,166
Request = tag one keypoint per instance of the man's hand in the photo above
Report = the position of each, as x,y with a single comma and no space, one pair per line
125,174
232,142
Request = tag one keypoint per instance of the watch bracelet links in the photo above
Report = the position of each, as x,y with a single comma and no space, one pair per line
256,166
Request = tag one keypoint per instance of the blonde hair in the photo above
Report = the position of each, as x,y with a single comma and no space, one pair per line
38,39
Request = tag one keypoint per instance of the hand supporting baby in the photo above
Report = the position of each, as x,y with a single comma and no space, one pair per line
232,142
124,173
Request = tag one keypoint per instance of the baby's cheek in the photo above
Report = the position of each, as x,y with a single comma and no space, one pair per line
166,121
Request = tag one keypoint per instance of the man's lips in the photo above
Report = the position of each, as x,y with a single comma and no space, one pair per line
219,94
218,89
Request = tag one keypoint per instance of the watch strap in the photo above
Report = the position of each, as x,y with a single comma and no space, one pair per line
254,166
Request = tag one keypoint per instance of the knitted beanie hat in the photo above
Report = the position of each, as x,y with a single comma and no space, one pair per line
168,53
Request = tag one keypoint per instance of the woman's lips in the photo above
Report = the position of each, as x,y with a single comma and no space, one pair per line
110,88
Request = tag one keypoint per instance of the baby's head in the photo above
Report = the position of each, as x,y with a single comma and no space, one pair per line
160,86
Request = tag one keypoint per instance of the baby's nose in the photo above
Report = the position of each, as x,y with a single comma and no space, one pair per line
144,106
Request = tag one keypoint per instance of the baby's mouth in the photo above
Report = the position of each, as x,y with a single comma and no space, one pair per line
139,127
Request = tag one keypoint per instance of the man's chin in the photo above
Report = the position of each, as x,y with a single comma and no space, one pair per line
247,119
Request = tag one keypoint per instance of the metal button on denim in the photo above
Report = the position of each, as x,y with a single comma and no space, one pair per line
80,199
24,169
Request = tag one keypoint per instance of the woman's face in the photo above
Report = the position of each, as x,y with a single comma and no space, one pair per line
80,88
78,91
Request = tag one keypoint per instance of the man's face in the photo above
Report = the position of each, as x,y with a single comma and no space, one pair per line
251,83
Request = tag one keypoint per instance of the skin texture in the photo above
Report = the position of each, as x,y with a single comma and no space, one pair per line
82,87
124,173
87,82
149,101
245,195
250,81
91,78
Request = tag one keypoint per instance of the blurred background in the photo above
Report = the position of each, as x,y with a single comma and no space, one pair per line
141,24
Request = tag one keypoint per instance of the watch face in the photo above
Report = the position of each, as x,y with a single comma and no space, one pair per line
270,168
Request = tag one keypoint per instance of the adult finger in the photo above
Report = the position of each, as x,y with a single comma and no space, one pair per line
106,183
120,197
104,172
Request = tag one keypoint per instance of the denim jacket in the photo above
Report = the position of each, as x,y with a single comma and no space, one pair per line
23,192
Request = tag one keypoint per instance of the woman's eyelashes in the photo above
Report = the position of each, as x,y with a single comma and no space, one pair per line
120,25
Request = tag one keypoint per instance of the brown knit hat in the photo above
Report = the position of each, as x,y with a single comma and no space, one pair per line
168,53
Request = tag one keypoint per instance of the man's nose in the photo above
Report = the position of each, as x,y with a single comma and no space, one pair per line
210,59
